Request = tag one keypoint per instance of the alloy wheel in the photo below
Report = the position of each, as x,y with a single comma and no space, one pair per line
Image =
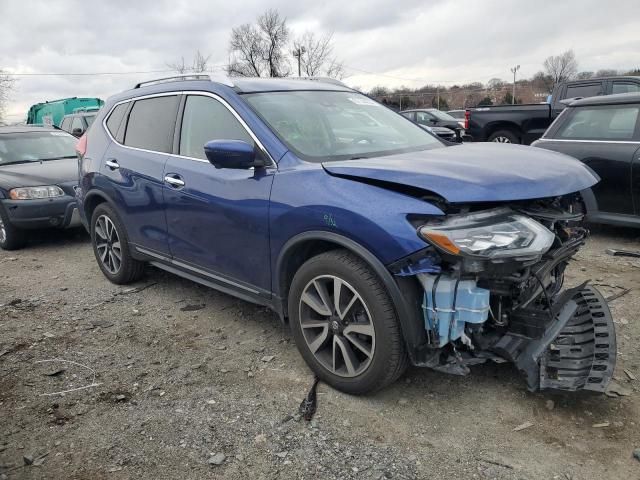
3,232
336,326
501,139
108,244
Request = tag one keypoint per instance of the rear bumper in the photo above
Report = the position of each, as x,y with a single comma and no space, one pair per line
59,212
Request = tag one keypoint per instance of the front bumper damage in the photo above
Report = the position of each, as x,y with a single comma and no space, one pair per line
577,351
513,311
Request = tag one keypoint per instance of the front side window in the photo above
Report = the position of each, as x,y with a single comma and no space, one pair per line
66,124
89,119
151,124
424,118
207,119
625,87
325,125
611,122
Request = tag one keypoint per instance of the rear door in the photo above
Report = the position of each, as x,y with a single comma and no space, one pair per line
604,138
134,167
218,218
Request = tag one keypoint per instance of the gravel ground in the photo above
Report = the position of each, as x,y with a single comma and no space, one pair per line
185,382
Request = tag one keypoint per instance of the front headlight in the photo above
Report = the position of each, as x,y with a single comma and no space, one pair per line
35,193
493,234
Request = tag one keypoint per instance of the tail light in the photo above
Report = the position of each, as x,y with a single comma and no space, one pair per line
81,146
467,113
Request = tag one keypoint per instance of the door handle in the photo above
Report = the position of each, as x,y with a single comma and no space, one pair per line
112,163
174,180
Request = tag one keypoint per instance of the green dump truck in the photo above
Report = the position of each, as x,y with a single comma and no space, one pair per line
51,113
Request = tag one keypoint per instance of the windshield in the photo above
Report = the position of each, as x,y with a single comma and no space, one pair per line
442,115
324,125
35,146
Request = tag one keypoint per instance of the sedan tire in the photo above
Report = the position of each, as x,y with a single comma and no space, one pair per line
11,238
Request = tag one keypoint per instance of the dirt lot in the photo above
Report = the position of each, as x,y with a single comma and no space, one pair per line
184,374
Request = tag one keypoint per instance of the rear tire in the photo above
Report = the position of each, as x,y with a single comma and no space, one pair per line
111,247
11,238
504,136
353,343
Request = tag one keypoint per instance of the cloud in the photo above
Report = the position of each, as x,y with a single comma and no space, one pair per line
413,42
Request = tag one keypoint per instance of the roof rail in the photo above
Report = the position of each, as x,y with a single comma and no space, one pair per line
330,80
175,78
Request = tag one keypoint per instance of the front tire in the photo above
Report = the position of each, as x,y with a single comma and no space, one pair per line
11,238
504,136
111,247
344,323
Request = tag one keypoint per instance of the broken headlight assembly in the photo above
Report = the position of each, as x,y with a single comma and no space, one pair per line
489,235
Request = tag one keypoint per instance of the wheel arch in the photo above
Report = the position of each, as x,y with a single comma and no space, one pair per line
404,294
502,125
91,201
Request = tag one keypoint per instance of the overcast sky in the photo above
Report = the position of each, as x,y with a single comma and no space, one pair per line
381,42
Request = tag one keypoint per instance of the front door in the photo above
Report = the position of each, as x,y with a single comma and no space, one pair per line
218,219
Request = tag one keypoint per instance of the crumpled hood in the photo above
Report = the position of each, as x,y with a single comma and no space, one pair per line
480,172
33,174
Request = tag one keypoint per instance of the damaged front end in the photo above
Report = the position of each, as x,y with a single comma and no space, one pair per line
491,288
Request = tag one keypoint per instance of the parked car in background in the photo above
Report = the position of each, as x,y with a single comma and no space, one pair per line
51,113
378,243
459,115
526,123
38,176
78,123
432,117
604,134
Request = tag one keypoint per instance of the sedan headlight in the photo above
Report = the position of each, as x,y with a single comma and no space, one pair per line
35,193
493,234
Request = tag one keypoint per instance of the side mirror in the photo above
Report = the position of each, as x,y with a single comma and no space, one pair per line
231,154
77,132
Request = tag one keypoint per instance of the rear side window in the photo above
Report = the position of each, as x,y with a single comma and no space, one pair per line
601,123
583,91
115,119
206,119
151,124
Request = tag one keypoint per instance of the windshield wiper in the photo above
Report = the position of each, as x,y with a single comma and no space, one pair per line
18,162
357,158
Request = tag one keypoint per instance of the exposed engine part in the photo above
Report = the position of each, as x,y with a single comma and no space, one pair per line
449,304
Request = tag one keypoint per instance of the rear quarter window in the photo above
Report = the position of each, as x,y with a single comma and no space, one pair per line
114,121
151,124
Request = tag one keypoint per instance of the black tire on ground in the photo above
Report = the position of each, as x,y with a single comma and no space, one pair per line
389,359
11,238
504,136
129,269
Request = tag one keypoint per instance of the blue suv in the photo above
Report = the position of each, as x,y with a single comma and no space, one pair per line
379,244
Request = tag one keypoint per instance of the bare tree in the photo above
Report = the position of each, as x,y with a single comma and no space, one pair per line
606,72
561,67
199,64
259,50
6,86
316,55
584,75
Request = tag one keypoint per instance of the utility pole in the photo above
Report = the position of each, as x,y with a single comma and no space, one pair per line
298,52
438,90
513,95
